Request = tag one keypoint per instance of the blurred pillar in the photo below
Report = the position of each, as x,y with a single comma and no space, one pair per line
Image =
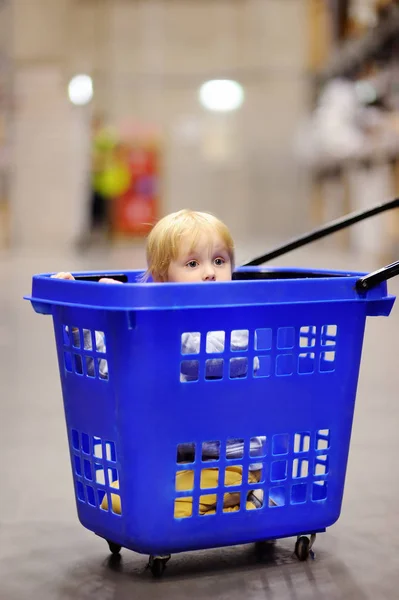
320,34
330,200
393,223
49,183
341,16
370,183
5,107
330,190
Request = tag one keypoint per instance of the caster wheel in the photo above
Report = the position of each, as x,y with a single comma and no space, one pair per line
302,548
157,566
114,548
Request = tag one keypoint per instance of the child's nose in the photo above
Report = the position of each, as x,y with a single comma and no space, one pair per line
209,273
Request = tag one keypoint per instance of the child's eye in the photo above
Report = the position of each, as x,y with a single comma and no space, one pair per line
192,264
219,261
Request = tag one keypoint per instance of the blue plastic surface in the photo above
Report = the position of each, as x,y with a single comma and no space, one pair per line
305,336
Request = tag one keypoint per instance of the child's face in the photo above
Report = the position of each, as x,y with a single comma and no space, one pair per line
208,260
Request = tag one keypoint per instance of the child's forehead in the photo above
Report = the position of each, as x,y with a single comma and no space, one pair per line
204,240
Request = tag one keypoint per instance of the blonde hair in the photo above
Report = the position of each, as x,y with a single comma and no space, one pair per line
163,242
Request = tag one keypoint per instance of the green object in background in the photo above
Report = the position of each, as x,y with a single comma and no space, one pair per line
114,180
111,175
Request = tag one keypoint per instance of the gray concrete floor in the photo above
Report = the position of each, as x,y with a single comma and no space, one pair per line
46,554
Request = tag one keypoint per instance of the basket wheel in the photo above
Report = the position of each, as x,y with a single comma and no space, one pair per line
157,565
114,548
302,548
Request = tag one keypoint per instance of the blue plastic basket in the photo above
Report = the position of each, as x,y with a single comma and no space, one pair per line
127,426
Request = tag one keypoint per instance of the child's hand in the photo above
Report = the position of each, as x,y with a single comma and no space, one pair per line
108,280
63,275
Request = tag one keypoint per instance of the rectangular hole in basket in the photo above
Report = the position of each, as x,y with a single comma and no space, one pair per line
75,439
116,504
299,493
321,465
300,468
257,447
215,342
239,340
78,364
207,505
75,337
234,448
285,338
80,491
110,451
209,479
323,439
256,473
302,442
278,471
306,363
307,336
103,369
87,470
101,494
91,498
329,335
87,341
78,465
238,368
277,496
189,370
255,499
185,453
284,364
214,368
233,476
281,444
99,337
184,481
99,473
183,507
262,366
113,476
97,447
86,443
65,335
327,362
232,502
68,361
191,342
263,339
210,451
319,491
90,366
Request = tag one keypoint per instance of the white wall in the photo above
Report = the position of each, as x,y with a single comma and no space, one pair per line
50,161
49,137
148,59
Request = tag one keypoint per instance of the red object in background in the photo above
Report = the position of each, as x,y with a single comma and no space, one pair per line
135,211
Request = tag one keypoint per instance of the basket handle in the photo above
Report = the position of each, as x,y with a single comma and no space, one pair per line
317,234
369,281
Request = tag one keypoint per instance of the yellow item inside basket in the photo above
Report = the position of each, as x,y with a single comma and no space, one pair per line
115,500
209,480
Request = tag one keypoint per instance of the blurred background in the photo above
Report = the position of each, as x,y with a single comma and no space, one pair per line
274,114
